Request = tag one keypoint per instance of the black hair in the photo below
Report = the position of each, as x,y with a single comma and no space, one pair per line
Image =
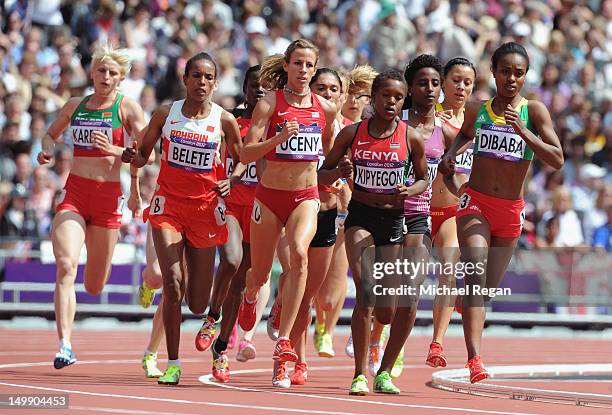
321,71
249,72
418,63
197,57
389,74
507,49
458,61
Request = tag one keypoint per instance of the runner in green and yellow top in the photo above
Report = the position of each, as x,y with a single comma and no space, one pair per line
89,212
508,131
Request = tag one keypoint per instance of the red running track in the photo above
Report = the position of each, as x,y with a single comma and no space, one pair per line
108,378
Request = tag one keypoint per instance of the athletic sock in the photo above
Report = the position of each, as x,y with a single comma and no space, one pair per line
176,362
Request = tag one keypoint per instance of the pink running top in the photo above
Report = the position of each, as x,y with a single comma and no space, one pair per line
434,149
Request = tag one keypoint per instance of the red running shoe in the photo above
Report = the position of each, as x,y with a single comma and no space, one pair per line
283,352
206,335
435,358
273,324
477,370
247,315
300,374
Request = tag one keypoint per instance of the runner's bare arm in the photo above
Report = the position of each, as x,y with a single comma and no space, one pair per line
255,144
464,137
56,129
547,147
233,141
139,157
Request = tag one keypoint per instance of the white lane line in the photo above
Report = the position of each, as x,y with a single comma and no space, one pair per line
207,379
250,407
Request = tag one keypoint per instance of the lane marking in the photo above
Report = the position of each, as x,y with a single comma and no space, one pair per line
206,379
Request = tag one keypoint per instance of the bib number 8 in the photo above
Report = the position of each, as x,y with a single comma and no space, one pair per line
220,213
157,205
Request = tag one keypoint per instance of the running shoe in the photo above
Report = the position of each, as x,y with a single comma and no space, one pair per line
149,364
247,315
145,295
374,359
273,324
326,346
435,358
171,376
398,366
349,349
300,374
246,351
65,357
477,370
384,384
283,352
206,335
231,343
359,386
279,375
220,369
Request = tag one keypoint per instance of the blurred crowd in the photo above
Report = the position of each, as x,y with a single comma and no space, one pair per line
46,47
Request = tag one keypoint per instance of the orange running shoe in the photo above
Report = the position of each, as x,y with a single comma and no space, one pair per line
279,375
283,352
247,315
435,358
477,370
300,374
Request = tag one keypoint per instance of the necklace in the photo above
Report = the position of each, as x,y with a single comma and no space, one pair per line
416,113
299,94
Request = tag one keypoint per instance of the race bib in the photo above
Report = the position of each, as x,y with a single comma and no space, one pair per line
306,145
191,155
157,205
81,130
463,161
220,213
256,215
432,170
249,178
378,177
500,141
464,201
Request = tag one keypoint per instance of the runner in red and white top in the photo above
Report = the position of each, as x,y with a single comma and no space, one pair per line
186,212
235,255
298,125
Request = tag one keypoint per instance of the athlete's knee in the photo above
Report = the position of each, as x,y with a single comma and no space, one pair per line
384,315
172,288
66,270
299,260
